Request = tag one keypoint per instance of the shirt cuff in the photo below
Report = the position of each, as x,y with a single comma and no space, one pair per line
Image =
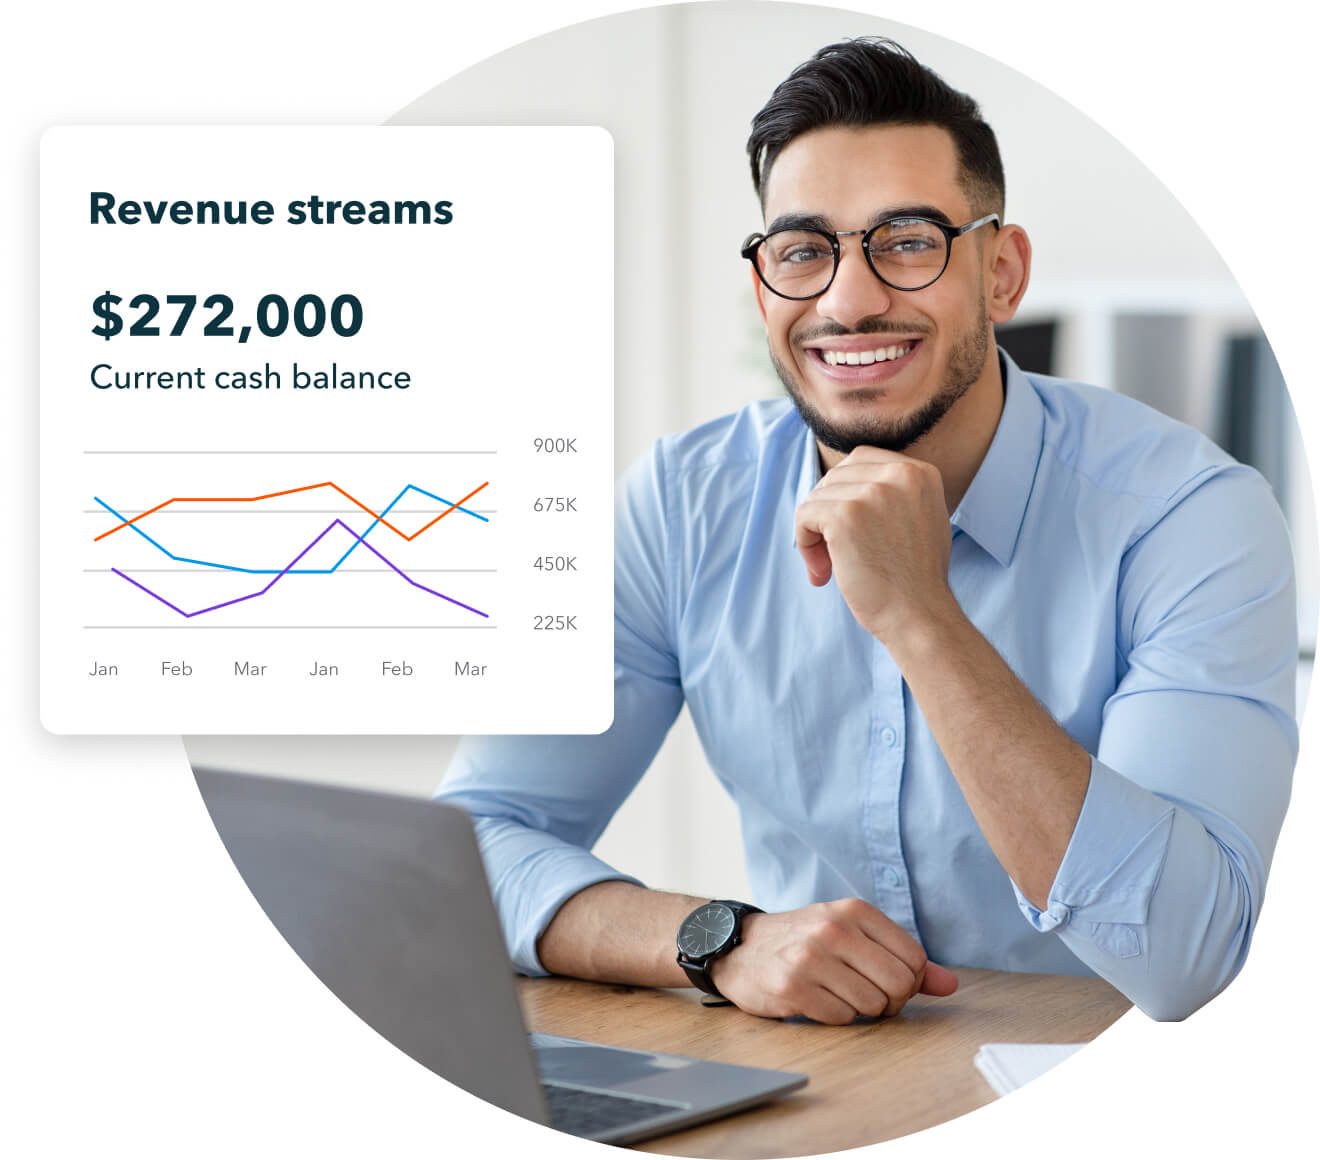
589,873
532,874
1111,867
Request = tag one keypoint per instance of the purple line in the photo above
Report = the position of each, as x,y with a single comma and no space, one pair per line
290,564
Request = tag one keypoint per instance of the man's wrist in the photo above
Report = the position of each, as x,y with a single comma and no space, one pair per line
615,932
924,630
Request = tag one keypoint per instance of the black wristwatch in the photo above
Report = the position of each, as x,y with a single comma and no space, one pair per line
707,933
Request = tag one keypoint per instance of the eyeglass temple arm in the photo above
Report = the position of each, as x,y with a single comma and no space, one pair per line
749,245
976,225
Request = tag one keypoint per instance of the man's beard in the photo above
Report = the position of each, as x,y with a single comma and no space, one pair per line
966,361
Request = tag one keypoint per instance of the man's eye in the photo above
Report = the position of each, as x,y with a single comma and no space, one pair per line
801,254
918,244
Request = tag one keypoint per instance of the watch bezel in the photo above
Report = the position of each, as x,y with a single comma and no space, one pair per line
697,968
730,939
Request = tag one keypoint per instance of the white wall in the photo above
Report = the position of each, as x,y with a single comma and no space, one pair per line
677,87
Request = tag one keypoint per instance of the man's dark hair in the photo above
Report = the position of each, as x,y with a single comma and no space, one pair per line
875,81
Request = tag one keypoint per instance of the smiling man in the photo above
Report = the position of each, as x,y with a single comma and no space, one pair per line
998,668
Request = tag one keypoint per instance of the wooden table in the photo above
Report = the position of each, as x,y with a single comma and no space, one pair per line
871,1081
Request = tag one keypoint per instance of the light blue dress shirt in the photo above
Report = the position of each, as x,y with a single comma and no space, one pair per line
1137,579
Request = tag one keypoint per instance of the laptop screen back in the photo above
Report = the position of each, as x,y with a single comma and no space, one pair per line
385,899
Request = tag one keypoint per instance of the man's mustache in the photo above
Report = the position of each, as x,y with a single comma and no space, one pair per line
866,326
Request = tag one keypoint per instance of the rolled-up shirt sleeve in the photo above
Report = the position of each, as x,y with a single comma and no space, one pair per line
1162,882
540,803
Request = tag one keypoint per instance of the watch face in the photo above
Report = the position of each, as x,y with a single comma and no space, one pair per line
705,930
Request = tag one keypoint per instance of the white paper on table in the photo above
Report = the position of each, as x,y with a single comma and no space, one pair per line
1007,1066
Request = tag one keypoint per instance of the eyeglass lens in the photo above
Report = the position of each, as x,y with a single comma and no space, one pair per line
908,254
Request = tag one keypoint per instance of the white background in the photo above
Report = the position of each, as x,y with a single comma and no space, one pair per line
150,1009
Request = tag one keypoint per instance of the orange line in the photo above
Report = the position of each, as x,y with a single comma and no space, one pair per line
289,491
447,510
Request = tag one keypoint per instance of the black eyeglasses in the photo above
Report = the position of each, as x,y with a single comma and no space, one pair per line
907,253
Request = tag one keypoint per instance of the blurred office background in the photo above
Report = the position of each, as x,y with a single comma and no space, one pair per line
1126,293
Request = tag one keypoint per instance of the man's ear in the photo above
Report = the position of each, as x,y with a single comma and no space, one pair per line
1008,273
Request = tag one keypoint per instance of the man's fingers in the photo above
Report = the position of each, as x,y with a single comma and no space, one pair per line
842,995
882,969
824,1006
817,559
868,454
854,473
892,938
832,509
864,993
938,981
881,964
815,552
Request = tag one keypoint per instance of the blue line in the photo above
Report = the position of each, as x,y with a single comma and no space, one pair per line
294,571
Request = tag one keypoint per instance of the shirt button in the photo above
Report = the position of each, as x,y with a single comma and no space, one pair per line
890,875
889,737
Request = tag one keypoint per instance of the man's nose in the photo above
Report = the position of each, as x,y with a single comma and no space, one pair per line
856,293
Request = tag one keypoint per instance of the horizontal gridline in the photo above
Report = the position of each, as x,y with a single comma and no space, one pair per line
286,627
172,451
340,571
276,511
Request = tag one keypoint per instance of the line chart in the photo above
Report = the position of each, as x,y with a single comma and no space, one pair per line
189,569
195,573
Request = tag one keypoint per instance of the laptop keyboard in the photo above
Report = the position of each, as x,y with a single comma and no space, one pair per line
590,1113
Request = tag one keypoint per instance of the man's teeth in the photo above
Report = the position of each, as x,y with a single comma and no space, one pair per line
863,358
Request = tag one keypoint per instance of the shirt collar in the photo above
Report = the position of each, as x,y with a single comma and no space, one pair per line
995,505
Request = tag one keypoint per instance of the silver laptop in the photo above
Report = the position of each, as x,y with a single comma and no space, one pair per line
385,898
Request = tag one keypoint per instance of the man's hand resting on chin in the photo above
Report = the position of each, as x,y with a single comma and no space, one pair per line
878,524
830,961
